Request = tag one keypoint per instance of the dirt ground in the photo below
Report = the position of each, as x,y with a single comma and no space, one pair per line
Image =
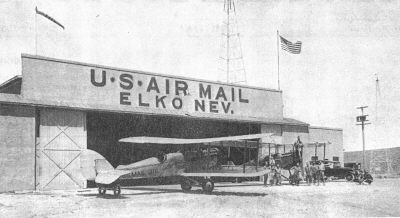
335,199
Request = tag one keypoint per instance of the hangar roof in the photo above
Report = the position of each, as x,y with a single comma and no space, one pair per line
12,86
325,128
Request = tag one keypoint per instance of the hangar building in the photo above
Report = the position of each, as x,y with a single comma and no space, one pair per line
59,108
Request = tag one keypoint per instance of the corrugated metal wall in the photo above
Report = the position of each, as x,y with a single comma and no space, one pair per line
62,136
378,161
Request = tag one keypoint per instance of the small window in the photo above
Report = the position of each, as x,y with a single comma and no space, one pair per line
314,158
335,158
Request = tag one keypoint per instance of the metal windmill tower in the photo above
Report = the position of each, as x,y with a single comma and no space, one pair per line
377,97
231,58
380,160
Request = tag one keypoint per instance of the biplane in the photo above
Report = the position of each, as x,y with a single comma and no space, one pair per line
194,167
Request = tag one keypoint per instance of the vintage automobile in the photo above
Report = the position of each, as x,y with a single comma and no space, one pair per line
333,170
362,176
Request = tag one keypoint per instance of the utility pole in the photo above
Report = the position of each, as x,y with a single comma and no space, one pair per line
228,34
361,120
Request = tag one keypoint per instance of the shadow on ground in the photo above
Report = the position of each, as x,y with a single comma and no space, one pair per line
156,190
151,190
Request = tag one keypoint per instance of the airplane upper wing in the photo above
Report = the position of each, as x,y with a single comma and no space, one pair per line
161,140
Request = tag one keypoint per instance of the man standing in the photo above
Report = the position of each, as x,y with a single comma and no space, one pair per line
313,172
272,174
266,175
271,161
296,174
298,144
278,174
308,174
321,172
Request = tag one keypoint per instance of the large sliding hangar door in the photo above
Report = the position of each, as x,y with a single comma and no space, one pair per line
62,138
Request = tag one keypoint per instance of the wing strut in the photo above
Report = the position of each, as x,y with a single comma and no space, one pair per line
258,150
244,156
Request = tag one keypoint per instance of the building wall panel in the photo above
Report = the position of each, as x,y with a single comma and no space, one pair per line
324,135
92,87
265,148
17,148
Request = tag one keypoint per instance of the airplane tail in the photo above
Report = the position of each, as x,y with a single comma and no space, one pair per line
93,163
102,166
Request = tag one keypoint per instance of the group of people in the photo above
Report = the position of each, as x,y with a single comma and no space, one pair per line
362,176
315,173
295,178
274,175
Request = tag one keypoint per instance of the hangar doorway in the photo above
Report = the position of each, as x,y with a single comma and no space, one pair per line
105,129
64,134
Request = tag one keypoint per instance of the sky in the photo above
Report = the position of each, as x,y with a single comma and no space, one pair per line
346,44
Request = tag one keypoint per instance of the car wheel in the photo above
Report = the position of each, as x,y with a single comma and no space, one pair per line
349,177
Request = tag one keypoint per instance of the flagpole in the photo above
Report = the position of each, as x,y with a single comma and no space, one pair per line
277,50
35,31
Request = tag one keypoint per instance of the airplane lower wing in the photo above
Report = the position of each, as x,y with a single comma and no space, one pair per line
110,176
225,174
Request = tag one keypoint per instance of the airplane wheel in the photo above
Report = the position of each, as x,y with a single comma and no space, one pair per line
291,180
185,185
117,190
102,191
208,185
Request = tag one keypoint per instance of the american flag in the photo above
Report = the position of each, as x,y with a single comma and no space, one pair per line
290,47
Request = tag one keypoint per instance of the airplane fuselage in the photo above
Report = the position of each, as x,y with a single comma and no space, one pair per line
173,164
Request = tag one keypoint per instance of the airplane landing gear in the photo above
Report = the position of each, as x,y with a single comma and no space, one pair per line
208,185
117,190
102,188
185,185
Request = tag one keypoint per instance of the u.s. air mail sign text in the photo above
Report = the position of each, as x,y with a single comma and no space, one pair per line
125,90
